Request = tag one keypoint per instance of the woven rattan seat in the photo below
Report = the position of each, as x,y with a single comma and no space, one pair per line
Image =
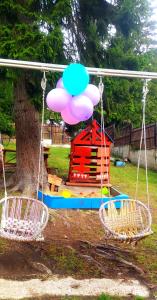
23,219
131,221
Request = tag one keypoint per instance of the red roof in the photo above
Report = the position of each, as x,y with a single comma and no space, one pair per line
92,135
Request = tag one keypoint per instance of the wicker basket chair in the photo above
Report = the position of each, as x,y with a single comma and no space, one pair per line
23,219
130,221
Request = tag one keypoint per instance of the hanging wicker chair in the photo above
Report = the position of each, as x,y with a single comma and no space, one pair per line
23,219
130,221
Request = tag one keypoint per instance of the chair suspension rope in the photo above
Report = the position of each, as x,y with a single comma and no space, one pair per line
3,167
143,139
101,89
41,152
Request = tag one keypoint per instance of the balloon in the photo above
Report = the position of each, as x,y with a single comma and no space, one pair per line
93,93
81,107
75,79
59,84
57,99
68,117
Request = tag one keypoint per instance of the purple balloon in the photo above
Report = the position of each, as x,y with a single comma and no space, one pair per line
59,84
58,99
68,117
93,93
81,107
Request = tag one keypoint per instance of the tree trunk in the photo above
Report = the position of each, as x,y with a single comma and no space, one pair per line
27,140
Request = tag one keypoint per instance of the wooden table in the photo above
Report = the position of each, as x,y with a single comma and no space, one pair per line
8,150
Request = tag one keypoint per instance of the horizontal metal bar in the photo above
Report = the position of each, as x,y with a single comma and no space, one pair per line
60,68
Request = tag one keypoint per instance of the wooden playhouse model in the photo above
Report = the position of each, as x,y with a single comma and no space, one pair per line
90,157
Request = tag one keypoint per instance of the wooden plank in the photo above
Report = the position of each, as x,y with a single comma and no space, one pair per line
81,169
104,161
82,151
82,160
92,175
79,176
102,169
54,180
87,184
105,151
102,176
90,179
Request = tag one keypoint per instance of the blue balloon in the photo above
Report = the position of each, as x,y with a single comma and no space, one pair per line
75,79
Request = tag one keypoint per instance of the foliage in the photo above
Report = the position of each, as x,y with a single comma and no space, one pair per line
32,31
6,105
117,36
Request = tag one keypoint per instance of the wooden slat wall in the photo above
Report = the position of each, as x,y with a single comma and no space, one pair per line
88,164
132,137
56,134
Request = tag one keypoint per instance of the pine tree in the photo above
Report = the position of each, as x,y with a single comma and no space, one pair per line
30,30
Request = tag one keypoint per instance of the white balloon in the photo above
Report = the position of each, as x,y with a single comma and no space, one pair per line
81,107
93,93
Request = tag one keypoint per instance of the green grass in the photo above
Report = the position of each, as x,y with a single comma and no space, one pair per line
10,157
125,179
67,262
3,246
65,259
59,160
106,297
10,145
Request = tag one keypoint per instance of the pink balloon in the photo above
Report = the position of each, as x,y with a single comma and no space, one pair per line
58,99
60,84
81,107
93,93
68,117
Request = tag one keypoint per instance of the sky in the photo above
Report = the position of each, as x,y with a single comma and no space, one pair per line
153,4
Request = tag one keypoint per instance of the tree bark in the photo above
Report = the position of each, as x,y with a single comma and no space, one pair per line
27,140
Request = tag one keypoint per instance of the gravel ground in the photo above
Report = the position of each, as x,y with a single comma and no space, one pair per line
10,289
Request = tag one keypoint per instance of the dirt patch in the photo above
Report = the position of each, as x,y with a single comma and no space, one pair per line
74,246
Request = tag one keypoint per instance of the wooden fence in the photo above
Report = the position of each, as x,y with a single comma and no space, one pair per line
131,136
56,134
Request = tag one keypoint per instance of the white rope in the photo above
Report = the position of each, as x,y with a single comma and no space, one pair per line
101,89
41,152
146,90
143,139
3,167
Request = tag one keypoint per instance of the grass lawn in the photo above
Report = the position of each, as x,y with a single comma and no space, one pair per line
59,160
